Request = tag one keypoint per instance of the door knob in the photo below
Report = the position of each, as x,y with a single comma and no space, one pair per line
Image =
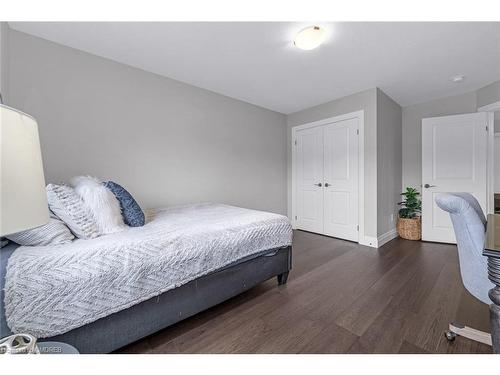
427,186
318,184
327,184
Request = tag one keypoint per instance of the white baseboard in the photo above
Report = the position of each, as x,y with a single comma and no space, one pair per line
374,242
368,241
386,237
379,241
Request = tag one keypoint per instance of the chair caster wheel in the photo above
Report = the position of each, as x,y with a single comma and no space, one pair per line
450,336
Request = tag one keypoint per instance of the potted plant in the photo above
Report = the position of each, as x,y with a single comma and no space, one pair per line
409,221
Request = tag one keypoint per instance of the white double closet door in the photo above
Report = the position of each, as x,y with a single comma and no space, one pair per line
326,179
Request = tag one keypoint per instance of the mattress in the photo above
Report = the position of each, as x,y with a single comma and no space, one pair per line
50,290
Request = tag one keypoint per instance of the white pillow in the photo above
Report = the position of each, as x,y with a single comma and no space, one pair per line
55,232
101,202
70,208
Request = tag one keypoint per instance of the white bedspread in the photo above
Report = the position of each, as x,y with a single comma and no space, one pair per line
50,290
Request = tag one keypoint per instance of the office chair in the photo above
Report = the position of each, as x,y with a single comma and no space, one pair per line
469,224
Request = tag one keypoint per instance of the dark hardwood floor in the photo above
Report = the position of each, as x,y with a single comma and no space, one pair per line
340,298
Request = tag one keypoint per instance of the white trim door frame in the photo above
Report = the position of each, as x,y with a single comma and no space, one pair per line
359,115
490,189
496,158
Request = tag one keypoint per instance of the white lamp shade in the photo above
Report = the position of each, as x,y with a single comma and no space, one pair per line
23,201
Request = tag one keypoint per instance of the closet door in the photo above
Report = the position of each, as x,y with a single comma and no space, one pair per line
309,179
341,179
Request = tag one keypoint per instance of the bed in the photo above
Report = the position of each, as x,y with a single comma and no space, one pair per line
99,295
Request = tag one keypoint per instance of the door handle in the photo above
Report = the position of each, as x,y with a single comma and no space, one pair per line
427,186
318,184
327,184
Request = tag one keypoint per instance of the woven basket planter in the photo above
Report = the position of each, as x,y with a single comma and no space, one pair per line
410,229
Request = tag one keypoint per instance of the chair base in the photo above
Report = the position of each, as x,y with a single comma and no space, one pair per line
457,329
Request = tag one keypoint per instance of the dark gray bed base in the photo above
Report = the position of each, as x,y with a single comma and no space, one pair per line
124,327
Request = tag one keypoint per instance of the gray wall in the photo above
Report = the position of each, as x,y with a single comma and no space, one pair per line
389,164
497,121
412,130
366,101
166,141
488,94
4,29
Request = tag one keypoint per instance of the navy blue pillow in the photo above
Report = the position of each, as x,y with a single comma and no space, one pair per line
131,211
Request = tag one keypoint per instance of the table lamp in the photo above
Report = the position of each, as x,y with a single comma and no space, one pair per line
23,201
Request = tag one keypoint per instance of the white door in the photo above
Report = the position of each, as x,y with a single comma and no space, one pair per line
309,179
453,160
341,179
326,182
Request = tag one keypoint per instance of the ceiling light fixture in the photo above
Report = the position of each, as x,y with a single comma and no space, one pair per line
458,78
310,38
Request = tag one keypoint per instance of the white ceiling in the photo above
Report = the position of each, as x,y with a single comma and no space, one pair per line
256,61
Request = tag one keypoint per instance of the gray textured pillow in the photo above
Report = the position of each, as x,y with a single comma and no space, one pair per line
55,232
70,208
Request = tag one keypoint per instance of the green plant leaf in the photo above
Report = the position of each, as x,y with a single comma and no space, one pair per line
412,205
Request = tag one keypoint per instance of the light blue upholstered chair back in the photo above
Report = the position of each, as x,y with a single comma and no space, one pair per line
469,224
